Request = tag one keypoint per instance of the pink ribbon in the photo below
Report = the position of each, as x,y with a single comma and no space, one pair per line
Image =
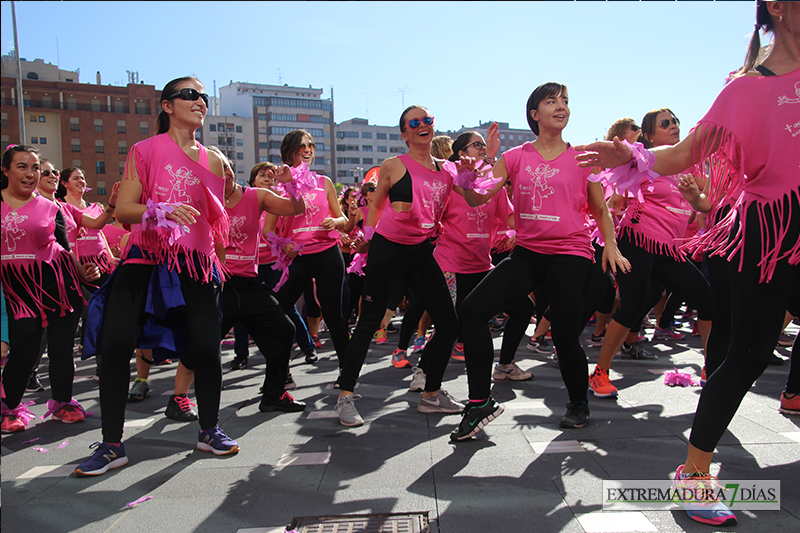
282,261
304,180
155,216
630,177
21,411
53,406
677,378
357,264
137,502
481,180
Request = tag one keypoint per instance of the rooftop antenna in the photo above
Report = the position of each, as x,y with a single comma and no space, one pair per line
402,92
58,55
366,104
280,79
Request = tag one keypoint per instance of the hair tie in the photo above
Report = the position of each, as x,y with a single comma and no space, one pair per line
757,26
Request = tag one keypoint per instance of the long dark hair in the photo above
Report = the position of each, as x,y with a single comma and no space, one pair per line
461,143
8,158
290,144
763,22
162,121
61,189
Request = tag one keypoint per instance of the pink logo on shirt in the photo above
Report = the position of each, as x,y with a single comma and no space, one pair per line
786,100
179,181
11,230
236,237
478,216
311,207
539,179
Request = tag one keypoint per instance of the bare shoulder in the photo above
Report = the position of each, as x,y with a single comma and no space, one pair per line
215,163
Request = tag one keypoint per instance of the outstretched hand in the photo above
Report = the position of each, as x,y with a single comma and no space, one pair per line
282,174
493,140
604,154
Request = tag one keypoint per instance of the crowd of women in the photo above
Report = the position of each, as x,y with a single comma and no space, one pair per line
463,237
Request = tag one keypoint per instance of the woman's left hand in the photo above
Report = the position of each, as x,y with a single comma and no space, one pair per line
112,200
329,223
493,140
612,258
89,272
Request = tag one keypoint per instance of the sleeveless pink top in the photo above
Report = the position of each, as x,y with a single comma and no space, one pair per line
757,162
168,175
113,235
430,190
550,202
466,242
659,222
245,225
28,243
90,244
265,256
306,228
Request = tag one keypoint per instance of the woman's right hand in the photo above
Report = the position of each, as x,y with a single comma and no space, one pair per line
282,174
290,251
184,214
603,154
89,272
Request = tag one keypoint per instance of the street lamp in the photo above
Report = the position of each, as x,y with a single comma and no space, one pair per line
357,171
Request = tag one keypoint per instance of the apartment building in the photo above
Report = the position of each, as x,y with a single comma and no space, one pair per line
509,137
361,146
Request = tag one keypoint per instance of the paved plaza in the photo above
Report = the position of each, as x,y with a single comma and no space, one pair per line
522,474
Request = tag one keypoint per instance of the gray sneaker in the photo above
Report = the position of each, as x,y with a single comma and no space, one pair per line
635,351
441,402
346,409
417,380
510,371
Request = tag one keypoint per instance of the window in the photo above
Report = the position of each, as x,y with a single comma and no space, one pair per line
265,101
212,127
144,128
121,168
239,142
348,160
382,149
394,137
367,160
99,146
101,188
502,135
262,146
366,148
100,167
5,120
380,161
96,105
229,128
76,145
283,130
33,118
76,163
122,127
42,140
74,124
98,125
342,173
238,129
366,135
275,160
262,116
340,147
275,144
320,147
347,135
240,156
122,148
381,136
283,117
72,103
41,118
34,140
141,108
396,150
32,76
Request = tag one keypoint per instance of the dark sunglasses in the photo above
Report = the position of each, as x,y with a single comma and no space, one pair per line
634,127
190,94
666,122
46,173
371,188
312,146
415,122
477,144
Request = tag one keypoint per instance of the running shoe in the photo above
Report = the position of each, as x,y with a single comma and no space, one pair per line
215,440
476,416
708,510
577,415
139,390
540,345
338,383
16,419
790,404
592,321
34,385
498,323
776,360
458,353
554,359
635,351
511,372
106,457
597,340
179,407
311,358
785,340
695,329
290,382
380,336
417,380
419,344
68,412
239,363
316,340
667,334
285,403
441,402
399,359
11,424
391,328
600,384
703,377
346,409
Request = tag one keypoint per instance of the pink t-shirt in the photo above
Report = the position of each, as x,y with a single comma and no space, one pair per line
430,190
265,256
244,226
465,244
657,223
550,202
306,228
114,235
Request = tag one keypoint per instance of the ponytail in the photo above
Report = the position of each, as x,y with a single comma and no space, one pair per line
763,22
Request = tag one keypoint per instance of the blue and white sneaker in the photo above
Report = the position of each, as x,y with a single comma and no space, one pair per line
106,457
709,511
215,440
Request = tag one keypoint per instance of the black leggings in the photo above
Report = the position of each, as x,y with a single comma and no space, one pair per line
757,312
675,275
389,264
565,278
327,269
25,338
123,320
252,302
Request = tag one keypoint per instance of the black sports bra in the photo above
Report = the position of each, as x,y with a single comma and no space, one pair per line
402,190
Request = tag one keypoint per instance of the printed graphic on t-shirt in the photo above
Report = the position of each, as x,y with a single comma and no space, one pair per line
541,189
12,231
477,216
180,179
783,99
236,237
311,207
436,203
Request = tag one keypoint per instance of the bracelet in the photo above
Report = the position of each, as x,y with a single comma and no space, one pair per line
111,206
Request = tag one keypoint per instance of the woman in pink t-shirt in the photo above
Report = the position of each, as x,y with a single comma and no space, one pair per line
552,197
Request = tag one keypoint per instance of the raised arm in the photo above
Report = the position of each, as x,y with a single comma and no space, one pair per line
105,216
278,205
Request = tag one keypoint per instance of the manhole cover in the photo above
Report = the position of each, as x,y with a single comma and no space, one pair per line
365,523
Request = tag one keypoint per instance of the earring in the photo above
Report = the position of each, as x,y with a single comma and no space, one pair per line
780,18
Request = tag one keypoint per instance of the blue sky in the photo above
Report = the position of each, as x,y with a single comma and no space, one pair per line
465,61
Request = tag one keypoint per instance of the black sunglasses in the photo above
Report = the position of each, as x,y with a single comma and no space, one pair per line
634,127
190,94
46,173
666,122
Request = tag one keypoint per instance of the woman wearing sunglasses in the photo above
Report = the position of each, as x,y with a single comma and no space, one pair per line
648,236
173,191
314,242
745,144
553,250
41,290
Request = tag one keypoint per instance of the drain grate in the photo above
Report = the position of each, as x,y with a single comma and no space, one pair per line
365,523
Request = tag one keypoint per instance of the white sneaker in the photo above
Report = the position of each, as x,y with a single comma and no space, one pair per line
346,409
417,380
510,371
441,402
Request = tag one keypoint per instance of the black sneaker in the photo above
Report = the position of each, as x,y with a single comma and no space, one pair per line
285,403
475,417
311,358
577,415
391,328
635,351
179,408
238,363
290,382
34,385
